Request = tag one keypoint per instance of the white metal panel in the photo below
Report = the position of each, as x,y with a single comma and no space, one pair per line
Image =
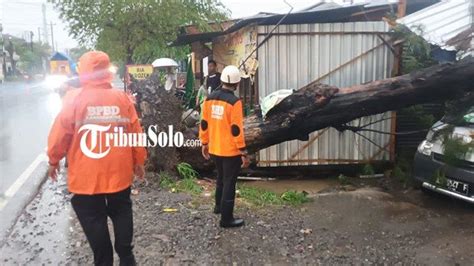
294,60
441,22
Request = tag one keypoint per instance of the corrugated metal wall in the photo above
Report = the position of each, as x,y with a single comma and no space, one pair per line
341,54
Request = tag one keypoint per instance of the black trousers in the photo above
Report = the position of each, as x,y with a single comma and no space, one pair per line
92,212
228,169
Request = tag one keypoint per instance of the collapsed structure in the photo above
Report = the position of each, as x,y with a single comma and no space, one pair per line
325,43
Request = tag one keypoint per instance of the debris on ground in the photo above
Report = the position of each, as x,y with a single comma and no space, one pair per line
368,225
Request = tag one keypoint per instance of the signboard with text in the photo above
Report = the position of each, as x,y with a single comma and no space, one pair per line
139,72
233,48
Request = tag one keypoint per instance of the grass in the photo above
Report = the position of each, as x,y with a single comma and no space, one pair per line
403,171
255,196
343,179
295,198
166,181
186,171
368,170
188,183
261,197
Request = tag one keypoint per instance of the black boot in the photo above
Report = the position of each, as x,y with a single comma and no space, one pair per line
227,215
233,223
218,199
128,261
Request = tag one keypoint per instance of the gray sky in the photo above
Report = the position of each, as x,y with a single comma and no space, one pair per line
243,8
20,16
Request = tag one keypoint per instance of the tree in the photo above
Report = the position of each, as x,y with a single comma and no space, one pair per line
136,30
76,52
26,56
317,106
32,56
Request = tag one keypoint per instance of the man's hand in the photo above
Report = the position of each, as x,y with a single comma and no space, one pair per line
53,172
205,152
139,172
245,161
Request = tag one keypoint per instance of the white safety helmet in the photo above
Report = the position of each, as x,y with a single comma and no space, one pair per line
230,74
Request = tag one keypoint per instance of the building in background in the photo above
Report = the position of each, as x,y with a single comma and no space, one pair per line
447,25
328,43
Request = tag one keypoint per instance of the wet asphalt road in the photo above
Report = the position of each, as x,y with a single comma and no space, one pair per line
26,114
27,111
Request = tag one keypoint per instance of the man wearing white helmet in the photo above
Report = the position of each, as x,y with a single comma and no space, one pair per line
222,137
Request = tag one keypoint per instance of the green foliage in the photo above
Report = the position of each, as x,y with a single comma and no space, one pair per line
400,174
416,52
439,178
258,196
138,30
31,56
402,170
189,185
457,109
344,180
455,150
186,171
368,170
166,181
77,52
261,197
295,198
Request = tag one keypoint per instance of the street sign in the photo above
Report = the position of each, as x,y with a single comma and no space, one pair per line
139,72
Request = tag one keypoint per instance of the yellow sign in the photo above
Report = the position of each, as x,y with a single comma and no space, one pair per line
59,68
233,49
140,71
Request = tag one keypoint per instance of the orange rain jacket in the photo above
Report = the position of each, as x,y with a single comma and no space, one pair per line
222,124
96,103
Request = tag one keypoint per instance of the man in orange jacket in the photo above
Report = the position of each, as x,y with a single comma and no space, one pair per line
222,137
100,173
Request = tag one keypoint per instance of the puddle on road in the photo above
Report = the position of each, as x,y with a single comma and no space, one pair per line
40,236
311,186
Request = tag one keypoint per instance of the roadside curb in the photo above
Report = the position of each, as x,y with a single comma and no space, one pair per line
17,203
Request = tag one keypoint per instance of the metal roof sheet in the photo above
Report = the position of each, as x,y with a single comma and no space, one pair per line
317,13
440,23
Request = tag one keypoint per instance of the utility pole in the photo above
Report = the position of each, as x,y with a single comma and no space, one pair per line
45,24
402,8
31,39
39,35
52,36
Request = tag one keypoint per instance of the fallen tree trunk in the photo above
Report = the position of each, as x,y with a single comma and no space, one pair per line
313,107
317,106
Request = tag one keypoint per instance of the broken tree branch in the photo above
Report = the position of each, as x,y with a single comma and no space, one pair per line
317,106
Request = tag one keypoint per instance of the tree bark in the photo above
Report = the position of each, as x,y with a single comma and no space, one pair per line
313,107
317,106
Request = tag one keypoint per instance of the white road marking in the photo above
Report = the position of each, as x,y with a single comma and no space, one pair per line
21,179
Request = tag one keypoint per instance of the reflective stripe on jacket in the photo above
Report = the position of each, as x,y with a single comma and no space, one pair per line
222,124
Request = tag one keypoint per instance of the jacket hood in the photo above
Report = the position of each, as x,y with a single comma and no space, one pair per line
94,70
